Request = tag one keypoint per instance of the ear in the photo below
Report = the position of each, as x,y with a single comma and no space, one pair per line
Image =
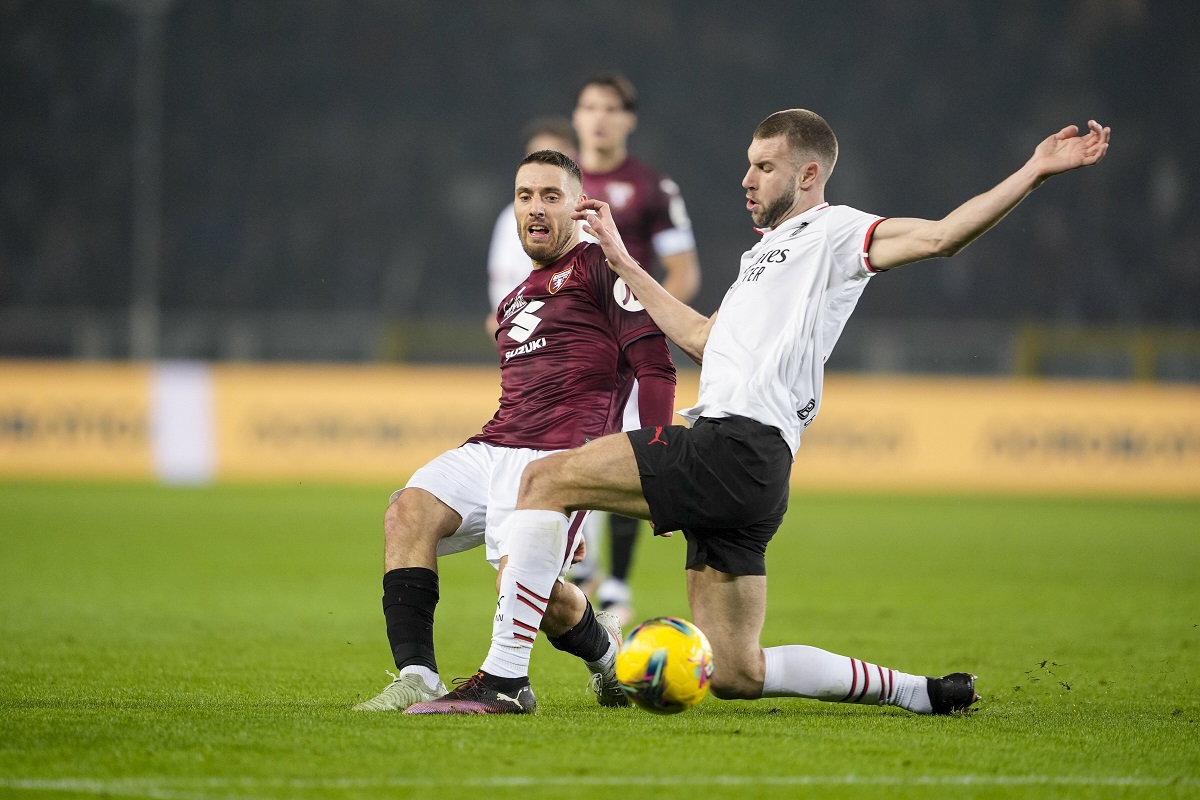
632,121
808,175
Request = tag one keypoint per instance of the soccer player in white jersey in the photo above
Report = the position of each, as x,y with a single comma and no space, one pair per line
724,481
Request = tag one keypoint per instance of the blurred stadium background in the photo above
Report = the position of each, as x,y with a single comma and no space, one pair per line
314,181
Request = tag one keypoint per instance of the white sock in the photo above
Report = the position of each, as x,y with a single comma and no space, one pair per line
800,671
537,543
431,678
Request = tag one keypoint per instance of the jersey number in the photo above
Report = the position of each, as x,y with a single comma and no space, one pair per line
625,297
524,323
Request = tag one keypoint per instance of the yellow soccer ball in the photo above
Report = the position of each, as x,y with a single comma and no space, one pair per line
665,665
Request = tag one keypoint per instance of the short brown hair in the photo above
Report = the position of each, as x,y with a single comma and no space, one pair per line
809,137
555,159
615,81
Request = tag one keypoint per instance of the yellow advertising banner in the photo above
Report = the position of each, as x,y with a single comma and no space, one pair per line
379,424
345,423
872,433
1003,435
74,420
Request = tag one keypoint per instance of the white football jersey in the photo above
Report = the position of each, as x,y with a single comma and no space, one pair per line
766,352
508,263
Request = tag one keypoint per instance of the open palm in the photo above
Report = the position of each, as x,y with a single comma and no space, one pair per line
1067,150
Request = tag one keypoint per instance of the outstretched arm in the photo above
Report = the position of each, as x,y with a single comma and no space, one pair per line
900,241
682,325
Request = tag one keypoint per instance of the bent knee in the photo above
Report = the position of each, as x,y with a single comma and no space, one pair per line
418,516
399,514
539,481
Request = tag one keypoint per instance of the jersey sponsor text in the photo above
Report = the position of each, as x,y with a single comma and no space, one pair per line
528,347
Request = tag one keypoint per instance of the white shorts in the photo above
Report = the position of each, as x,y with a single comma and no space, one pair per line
480,482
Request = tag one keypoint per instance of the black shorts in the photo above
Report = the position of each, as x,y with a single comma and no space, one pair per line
723,482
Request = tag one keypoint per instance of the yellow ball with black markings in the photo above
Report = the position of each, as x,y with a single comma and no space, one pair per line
665,665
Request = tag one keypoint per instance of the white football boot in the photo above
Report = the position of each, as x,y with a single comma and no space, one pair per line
402,692
604,672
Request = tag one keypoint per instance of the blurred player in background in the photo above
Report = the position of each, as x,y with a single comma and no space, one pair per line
651,216
570,350
725,480
508,264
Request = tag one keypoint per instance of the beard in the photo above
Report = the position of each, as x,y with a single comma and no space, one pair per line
549,251
774,212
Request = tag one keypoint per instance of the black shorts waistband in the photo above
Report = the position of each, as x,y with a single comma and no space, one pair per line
747,425
733,419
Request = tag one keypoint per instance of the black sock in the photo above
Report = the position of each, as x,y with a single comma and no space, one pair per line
624,535
410,595
587,639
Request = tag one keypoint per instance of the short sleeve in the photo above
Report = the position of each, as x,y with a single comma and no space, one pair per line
670,227
849,232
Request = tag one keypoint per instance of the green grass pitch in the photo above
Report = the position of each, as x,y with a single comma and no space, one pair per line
195,644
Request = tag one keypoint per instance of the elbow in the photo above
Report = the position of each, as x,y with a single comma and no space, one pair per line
662,372
947,249
949,240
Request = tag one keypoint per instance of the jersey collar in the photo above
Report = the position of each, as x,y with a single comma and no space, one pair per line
792,222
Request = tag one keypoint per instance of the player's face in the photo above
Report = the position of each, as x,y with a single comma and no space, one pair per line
545,198
600,119
770,183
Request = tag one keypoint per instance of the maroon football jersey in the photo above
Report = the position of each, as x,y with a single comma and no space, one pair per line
640,199
563,377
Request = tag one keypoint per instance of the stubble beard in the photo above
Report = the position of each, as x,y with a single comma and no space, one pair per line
776,211
549,252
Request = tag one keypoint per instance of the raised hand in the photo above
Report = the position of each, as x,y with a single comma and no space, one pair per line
1067,150
598,223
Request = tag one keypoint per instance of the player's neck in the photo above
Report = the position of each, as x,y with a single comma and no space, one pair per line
601,161
805,202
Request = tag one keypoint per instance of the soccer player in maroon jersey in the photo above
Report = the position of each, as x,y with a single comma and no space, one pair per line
507,261
650,214
572,341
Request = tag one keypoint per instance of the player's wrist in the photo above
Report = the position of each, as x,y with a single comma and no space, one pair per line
623,264
1036,172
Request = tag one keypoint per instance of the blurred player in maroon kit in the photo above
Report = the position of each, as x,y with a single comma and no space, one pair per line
572,341
649,212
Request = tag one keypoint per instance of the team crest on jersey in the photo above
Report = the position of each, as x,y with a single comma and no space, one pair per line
558,279
625,297
619,194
